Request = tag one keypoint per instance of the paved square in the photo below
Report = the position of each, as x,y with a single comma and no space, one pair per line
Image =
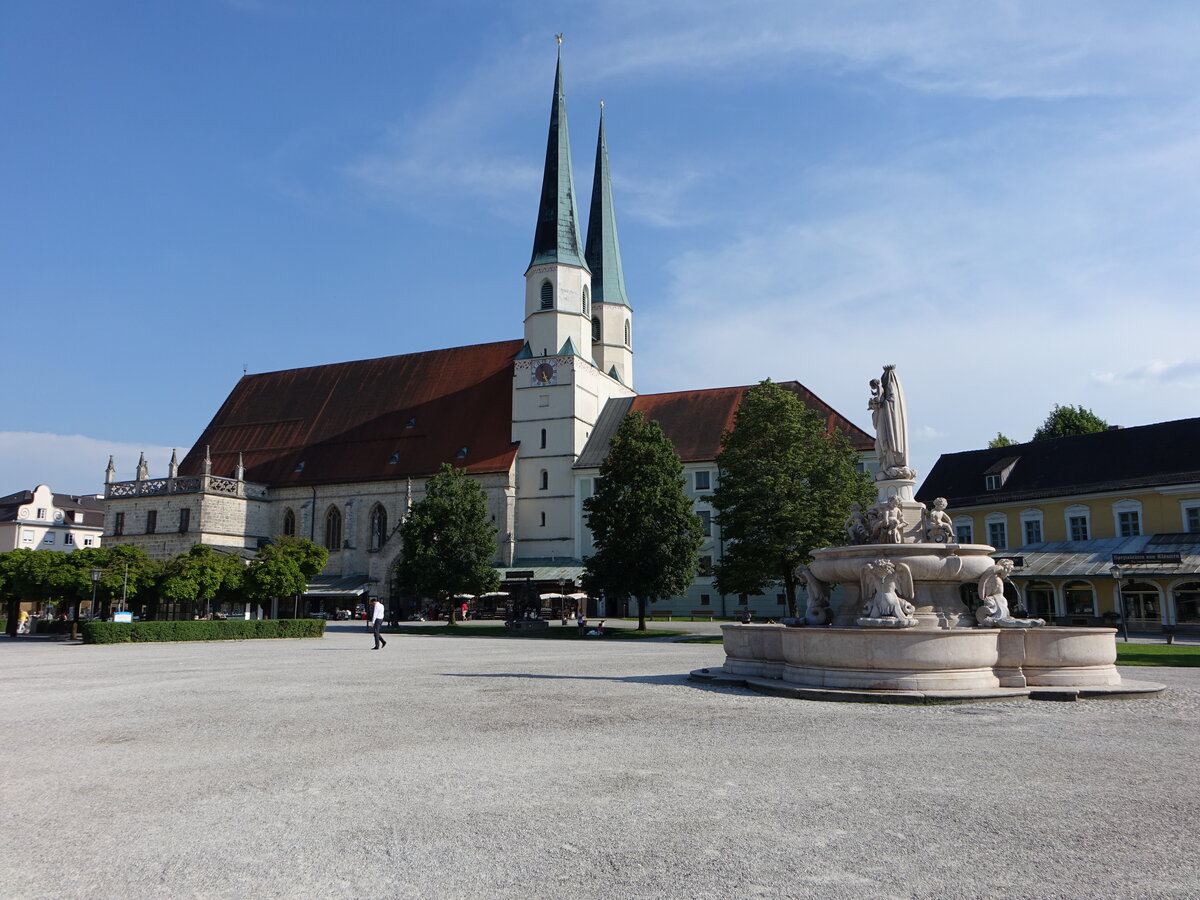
501,768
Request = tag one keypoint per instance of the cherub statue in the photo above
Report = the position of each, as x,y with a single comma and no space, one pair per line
856,526
888,528
939,529
817,612
993,607
887,588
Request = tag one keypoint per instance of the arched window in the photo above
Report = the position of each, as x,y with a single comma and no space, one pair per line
379,532
289,523
547,295
1039,600
587,301
1080,598
543,447
1142,604
333,529
628,342
545,483
1187,603
595,328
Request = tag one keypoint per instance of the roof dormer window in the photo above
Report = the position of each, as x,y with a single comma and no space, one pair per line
991,482
995,476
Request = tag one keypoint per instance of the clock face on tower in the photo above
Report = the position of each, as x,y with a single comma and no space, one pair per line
545,373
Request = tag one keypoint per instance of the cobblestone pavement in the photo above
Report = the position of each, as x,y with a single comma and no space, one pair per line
503,768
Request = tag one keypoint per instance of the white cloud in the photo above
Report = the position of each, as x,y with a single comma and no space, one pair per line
70,463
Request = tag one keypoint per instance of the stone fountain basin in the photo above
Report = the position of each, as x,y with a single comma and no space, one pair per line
944,563
956,659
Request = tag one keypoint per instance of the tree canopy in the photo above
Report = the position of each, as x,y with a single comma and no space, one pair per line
646,535
202,575
1064,421
786,486
449,542
1000,440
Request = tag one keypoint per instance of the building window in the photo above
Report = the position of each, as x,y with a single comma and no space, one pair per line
1127,518
87,542
379,532
1080,599
595,328
151,521
991,482
119,523
705,522
1078,527
998,535
964,531
545,480
41,513
27,536
543,525
703,480
543,447
1033,531
333,529
1129,524
1039,600
781,599
68,538
706,600
547,295
628,342
1187,603
185,520
705,566
1191,519
1141,601
289,523
587,301
49,538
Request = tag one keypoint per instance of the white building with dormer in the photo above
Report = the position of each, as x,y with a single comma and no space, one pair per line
337,453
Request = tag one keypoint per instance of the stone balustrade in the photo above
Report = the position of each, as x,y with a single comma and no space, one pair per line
186,484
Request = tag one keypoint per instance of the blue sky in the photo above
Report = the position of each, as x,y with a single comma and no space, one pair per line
999,197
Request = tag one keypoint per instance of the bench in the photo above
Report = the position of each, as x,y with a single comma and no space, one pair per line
702,613
661,614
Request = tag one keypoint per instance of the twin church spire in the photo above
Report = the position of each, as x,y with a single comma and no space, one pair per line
557,238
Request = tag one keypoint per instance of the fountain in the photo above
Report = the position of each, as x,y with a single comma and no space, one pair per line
901,631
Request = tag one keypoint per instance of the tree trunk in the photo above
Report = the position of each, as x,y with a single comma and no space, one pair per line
10,627
641,602
789,588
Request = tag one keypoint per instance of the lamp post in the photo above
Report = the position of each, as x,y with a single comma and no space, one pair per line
1119,578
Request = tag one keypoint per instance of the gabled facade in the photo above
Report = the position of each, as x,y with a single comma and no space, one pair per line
43,520
1070,509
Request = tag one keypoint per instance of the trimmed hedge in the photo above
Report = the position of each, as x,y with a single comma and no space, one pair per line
202,630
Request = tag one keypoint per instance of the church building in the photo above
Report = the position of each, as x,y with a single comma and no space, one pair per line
338,453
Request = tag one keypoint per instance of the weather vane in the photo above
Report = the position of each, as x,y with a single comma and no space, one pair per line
602,104
558,37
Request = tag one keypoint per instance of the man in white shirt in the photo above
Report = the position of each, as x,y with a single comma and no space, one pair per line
377,623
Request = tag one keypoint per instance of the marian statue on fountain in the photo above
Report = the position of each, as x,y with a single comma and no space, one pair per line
890,419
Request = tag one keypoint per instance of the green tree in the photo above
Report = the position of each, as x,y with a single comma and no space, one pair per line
310,557
449,542
273,573
786,486
646,535
1064,421
202,575
1001,440
129,574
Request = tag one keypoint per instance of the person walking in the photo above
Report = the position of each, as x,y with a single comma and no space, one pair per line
377,623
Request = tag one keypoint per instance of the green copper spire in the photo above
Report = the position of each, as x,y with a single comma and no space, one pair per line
603,251
557,239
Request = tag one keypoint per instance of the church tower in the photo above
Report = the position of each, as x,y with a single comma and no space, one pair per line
558,387
612,316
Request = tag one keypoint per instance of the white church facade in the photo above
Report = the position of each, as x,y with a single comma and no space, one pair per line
338,453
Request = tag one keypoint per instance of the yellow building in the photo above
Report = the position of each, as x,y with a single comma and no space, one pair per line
1086,517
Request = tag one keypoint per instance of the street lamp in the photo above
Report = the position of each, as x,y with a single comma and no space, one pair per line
1119,577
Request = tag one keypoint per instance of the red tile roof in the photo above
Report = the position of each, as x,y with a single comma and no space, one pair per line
696,420
345,421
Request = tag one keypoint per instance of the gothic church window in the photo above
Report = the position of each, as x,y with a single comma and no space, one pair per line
289,523
333,529
543,447
151,521
628,342
595,328
587,300
547,295
378,526
185,520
